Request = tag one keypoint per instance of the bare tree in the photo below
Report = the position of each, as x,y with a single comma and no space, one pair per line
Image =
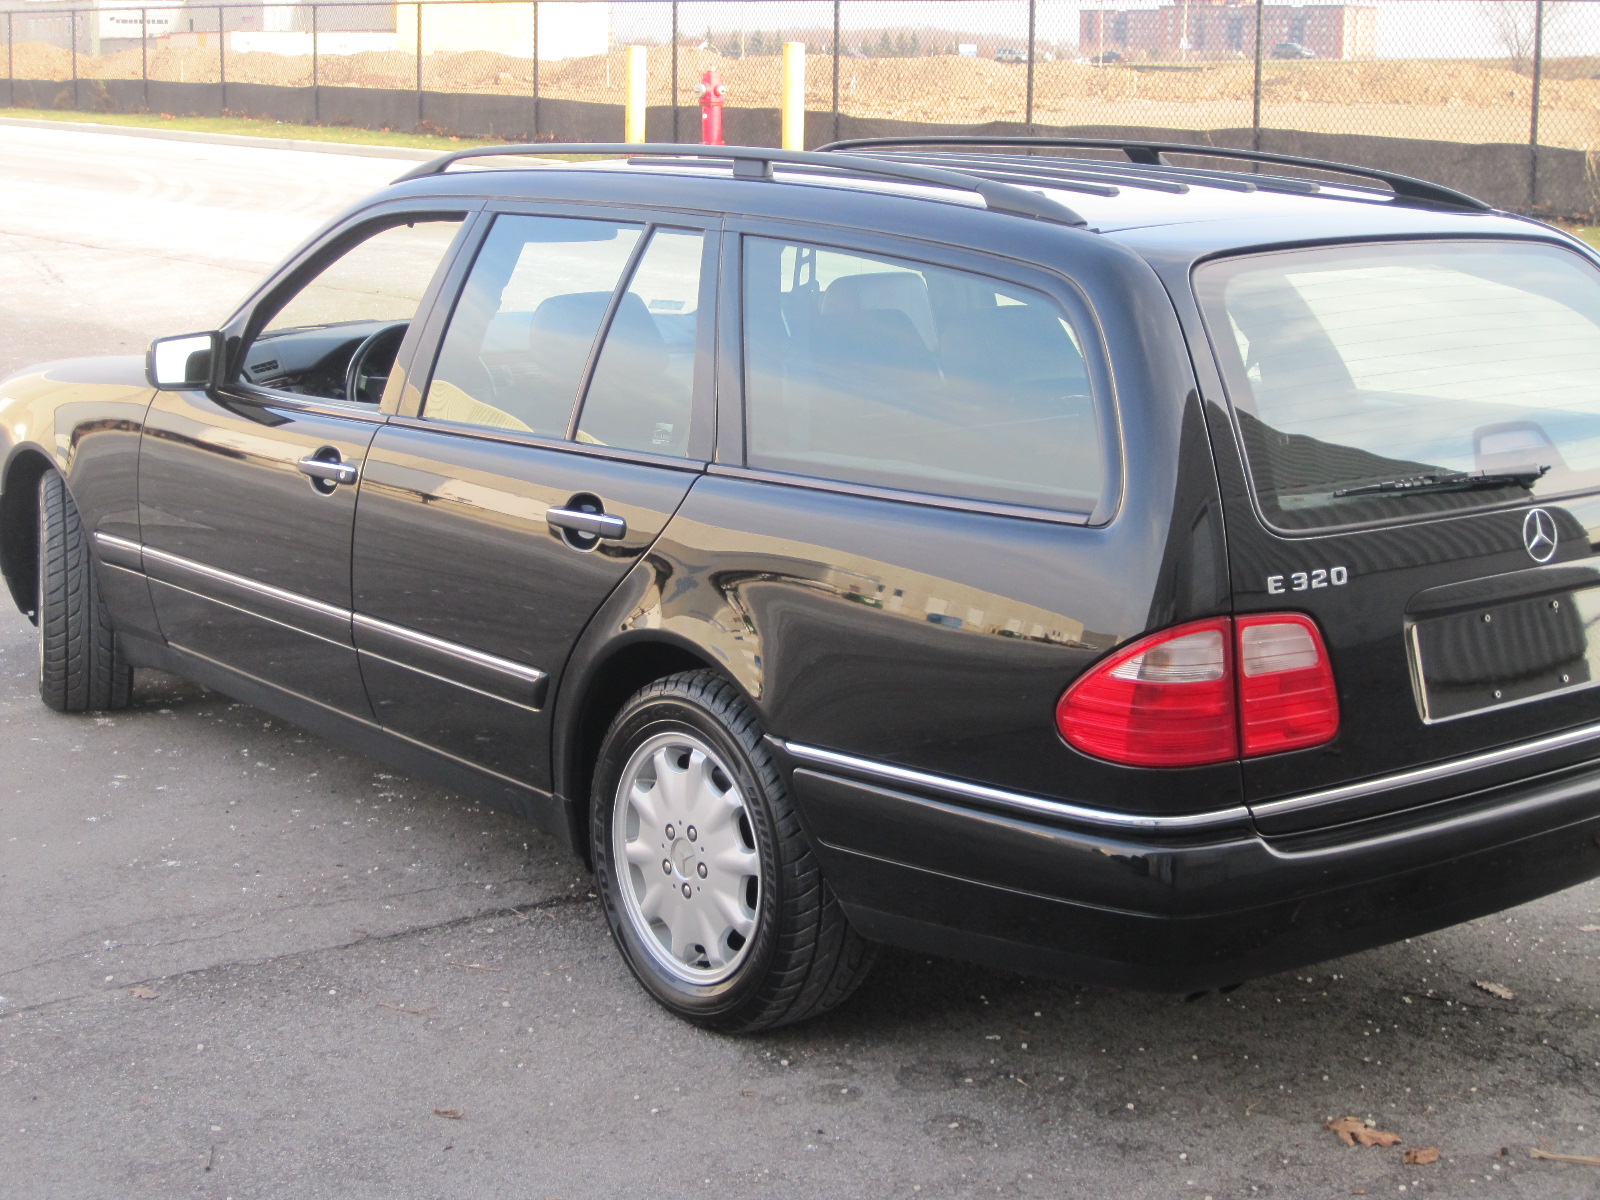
1515,24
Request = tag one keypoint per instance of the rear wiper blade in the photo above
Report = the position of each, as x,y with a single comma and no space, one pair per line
1450,481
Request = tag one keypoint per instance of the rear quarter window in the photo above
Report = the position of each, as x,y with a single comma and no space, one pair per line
893,373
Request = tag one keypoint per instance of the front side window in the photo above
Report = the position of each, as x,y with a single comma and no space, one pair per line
522,333
336,336
1371,383
899,374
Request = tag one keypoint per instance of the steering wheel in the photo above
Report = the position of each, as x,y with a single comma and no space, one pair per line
362,384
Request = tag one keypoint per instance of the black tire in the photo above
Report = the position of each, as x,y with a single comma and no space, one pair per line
802,958
81,668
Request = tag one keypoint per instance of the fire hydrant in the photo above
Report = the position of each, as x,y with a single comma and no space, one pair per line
713,97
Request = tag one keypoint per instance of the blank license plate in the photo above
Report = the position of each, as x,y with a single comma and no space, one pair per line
1507,653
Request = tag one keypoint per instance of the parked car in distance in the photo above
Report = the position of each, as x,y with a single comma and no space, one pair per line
1292,50
1107,57
1008,54
1160,571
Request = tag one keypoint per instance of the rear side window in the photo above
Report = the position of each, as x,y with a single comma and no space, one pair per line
1370,383
899,374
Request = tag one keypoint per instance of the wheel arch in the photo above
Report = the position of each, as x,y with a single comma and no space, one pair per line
19,526
592,697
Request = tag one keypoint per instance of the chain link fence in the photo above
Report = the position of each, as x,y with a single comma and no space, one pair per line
1368,82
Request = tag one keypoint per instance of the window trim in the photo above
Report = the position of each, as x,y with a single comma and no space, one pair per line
424,356
818,483
541,441
732,446
1204,304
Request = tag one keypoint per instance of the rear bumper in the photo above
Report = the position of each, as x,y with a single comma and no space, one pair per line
1186,911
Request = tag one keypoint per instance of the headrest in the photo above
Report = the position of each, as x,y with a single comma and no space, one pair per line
894,291
873,340
562,330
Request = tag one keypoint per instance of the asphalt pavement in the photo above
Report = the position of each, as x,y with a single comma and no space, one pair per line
237,960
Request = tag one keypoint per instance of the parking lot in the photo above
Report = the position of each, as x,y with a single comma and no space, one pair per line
237,960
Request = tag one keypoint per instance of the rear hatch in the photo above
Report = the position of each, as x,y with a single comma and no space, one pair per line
1411,456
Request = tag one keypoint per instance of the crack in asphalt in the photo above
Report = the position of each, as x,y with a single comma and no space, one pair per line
109,933
568,900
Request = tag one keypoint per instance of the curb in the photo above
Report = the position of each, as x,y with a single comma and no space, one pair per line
230,139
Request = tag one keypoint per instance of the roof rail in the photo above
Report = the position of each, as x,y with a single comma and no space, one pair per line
1417,191
756,162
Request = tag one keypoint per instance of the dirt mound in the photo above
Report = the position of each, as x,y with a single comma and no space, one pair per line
1478,101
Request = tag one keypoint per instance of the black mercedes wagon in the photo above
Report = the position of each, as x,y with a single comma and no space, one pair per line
1142,564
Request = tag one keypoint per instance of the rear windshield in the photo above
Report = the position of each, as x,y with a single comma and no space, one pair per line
1391,381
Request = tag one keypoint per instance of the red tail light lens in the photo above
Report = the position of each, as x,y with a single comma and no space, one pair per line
1206,692
1164,701
1287,700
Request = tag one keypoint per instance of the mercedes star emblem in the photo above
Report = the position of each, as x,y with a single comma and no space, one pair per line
1539,535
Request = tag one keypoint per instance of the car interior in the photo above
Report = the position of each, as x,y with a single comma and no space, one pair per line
919,378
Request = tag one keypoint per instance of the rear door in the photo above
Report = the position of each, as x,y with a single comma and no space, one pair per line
548,439
1410,446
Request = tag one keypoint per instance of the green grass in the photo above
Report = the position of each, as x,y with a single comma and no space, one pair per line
1589,233
259,128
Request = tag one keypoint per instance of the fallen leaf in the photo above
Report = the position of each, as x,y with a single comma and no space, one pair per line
449,1114
1589,928
143,993
1358,1191
746,1092
1353,1129
1583,1160
1497,989
1421,1156
415,1012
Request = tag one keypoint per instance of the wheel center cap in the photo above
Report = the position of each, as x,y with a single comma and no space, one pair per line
683,857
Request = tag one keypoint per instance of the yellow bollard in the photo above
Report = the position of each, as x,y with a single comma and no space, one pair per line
638,73
794,95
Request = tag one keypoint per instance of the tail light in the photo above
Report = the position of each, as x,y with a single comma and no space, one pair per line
1165,701
1206,692
1287,699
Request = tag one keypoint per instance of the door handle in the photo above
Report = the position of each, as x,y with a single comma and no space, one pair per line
331,471
596,525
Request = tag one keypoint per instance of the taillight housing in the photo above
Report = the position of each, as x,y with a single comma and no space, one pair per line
1287,700
1206,692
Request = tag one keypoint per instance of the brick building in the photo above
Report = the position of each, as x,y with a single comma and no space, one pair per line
1227,29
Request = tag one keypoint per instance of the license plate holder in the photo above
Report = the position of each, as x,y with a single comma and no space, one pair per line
1509,653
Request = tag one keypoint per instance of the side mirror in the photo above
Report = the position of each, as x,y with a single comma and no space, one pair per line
193,360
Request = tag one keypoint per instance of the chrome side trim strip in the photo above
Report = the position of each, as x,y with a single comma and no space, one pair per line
1216,818
119,552
369,657
248,612
1444,770
502,678
454,649
107,539
499,677
292,599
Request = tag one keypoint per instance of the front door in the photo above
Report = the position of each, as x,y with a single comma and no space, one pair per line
247,496
562,424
